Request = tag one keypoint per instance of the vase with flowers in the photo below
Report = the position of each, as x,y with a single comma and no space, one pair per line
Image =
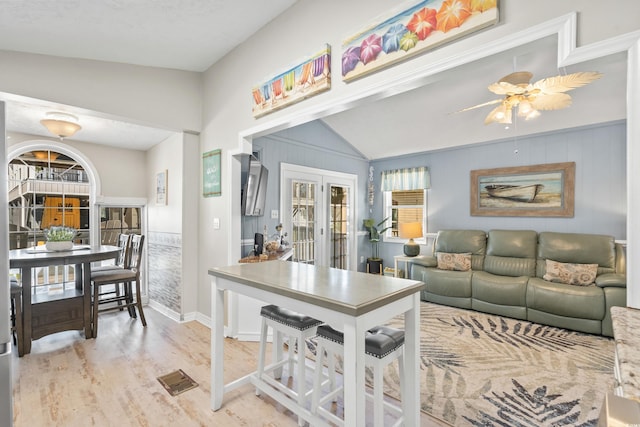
59,238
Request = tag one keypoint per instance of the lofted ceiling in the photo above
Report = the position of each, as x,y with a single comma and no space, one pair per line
425,118
194,36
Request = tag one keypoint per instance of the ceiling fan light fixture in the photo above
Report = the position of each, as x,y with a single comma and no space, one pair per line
532,115
62,125
500,114
545,94
524,108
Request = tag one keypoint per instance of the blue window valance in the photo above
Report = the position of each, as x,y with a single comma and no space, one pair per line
406,179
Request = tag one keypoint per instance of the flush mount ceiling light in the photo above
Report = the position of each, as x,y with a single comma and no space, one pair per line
45,155
545,94
62,125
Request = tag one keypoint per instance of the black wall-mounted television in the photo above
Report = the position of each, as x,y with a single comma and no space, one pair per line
254,187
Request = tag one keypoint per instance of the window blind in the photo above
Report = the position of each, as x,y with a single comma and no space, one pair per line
406,179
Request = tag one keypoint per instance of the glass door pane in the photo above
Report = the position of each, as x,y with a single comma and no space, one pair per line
339,226
303,209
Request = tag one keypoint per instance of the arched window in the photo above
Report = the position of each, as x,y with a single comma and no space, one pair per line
47,188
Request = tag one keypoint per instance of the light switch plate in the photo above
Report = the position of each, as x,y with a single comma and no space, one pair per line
216,223
274,214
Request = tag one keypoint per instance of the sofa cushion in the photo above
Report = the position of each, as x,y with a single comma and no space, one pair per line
453,261
463,241
511,253
455,284
581,302
496,289
570,274
576,249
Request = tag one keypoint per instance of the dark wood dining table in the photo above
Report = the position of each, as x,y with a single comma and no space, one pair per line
70,309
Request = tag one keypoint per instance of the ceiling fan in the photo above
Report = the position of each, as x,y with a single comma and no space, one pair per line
545,94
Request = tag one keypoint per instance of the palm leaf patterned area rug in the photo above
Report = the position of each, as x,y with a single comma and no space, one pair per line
485,370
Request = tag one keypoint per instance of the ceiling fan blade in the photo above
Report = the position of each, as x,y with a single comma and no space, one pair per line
495,101
566,83
506,88
552,101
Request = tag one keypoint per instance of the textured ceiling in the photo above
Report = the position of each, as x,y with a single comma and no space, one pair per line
184,35
187,35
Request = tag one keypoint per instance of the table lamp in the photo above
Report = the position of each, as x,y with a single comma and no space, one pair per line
411,230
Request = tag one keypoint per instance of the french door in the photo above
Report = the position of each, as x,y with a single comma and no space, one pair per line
318,207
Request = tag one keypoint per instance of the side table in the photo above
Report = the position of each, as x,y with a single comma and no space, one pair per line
406,260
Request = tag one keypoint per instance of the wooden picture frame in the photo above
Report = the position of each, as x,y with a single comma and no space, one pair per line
161,187
211,181
545,190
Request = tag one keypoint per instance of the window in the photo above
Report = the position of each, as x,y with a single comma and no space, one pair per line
405,199
118,219
46,188
404,206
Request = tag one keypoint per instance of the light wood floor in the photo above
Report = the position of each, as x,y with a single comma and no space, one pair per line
112,380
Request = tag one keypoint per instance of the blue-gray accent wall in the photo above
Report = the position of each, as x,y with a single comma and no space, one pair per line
600,185
313,145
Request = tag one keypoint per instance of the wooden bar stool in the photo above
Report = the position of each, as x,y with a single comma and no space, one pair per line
298,328
383,345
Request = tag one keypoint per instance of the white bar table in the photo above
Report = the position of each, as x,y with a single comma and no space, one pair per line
349,301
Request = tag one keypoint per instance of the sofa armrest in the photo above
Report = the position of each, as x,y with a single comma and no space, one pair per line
426,261
612,280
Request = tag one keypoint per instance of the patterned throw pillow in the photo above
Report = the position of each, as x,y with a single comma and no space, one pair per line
571,274
457,262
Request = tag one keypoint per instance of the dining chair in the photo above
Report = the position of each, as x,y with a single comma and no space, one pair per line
122,261
125,276
124,256
383,345
16,315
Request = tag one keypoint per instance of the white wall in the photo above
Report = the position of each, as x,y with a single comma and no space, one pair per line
165,156
173,229
123,173
298,33
168,99
191,194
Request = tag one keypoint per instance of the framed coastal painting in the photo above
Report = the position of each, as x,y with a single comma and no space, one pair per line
161,188
211,181
411,29
538,190
306,78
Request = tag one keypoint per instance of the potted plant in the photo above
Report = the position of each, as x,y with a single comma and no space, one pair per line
59,238
374,263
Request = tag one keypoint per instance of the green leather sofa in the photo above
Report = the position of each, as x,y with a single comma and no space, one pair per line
506,276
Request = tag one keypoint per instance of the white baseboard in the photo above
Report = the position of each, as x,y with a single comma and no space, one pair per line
173,315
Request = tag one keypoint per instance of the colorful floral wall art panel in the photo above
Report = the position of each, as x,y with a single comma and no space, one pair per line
308,78
408,31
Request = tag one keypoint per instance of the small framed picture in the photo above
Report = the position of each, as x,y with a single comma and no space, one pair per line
211,184
161,188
